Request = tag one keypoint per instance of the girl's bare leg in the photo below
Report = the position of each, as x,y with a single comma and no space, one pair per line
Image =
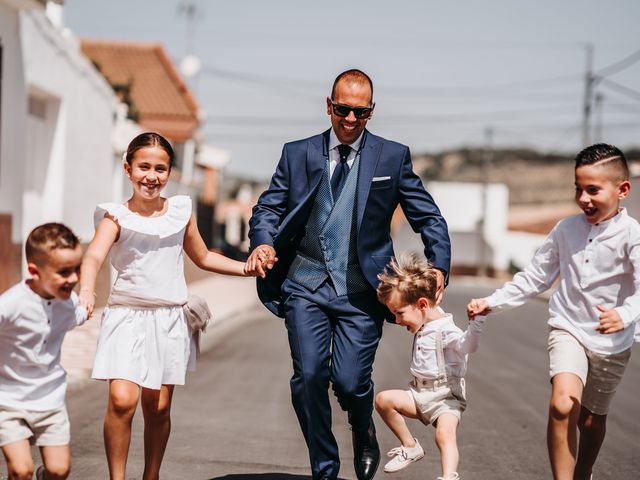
123,399
156,408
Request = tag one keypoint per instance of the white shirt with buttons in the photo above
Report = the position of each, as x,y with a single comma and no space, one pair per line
456,345
597,265
334,154
32,329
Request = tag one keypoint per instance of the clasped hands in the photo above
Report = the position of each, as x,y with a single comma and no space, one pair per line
87,299
262,258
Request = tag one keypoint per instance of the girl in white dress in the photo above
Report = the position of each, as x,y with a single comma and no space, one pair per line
145,346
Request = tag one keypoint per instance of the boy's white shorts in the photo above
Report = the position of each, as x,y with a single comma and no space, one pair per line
432,402
600,374
48,428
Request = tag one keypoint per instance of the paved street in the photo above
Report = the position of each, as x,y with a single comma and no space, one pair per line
233,420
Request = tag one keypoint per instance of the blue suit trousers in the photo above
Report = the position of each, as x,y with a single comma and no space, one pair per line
333,339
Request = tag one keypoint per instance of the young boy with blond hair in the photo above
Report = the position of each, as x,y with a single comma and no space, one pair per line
596,256
35,314
436,392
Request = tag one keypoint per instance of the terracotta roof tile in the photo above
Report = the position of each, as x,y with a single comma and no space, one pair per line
163,101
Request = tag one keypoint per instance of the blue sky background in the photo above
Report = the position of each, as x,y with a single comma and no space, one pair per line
443,71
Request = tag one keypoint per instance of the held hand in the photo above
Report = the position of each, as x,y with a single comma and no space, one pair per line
610,321
88,301
262,258
478,306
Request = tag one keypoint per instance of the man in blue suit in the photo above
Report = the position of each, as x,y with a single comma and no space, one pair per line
327,216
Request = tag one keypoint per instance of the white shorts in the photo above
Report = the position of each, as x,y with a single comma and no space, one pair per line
600,374
48,428
433,402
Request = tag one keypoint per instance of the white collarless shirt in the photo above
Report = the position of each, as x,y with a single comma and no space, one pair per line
597,265
334,155
32,329
456,345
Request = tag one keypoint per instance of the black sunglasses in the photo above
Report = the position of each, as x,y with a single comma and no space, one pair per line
359,112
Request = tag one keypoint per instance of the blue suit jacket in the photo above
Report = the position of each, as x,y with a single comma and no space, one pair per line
280,216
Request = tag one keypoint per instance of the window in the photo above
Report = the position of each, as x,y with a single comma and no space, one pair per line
37,107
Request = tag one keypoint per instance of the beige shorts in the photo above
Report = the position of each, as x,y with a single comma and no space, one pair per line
49,428
600,374
433,402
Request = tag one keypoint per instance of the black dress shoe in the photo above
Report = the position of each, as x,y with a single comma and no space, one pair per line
366,453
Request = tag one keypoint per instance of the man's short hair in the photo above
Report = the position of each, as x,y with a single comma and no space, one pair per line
45,238
608,156
353,75
411,277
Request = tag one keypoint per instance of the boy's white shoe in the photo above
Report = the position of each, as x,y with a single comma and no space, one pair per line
450,476
403,457
40,473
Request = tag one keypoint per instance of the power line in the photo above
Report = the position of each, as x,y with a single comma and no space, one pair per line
629,92
411,90
262,121
484,88
283,87
625,107
619,65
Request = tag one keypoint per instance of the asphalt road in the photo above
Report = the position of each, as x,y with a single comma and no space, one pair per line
234,421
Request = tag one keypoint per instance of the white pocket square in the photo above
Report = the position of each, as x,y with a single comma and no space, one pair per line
380,179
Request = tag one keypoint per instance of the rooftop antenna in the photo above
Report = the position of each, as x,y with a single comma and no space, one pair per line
190,65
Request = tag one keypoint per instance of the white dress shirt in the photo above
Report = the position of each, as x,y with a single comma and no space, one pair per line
334,155
32,329
597,265
456,345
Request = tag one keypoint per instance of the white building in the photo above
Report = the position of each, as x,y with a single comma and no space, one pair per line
58,117
476,215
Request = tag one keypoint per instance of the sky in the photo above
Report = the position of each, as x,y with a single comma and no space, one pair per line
445,73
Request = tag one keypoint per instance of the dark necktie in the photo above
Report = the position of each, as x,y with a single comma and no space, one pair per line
341,171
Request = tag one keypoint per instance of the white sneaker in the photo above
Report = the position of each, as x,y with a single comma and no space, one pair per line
450,476
403,457
40,473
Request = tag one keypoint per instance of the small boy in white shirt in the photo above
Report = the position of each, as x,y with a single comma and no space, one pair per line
35,314
436,393
593,312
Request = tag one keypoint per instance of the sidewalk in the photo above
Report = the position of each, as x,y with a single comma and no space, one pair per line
227,296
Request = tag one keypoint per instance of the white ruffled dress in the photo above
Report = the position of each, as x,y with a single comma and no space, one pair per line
148,346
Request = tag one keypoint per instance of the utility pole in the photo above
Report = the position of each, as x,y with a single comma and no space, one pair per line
487,166
190,65
189,9
589,81
599,108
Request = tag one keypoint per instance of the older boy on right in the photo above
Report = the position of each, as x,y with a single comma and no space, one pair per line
593,312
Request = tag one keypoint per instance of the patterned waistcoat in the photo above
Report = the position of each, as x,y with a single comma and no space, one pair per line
323,251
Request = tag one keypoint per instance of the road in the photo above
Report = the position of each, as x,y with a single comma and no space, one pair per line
234,421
